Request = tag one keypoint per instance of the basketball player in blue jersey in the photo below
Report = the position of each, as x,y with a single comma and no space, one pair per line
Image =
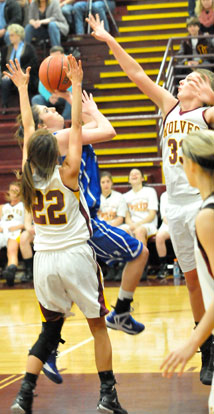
198,156
192,111
64,267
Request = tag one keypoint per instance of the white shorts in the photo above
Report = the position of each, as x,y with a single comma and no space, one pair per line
69,275
181,222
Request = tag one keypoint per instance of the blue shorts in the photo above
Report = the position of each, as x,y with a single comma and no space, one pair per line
113,245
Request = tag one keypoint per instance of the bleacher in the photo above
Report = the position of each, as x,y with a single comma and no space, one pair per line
143,30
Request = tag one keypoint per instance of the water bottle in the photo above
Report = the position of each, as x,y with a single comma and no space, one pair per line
176,272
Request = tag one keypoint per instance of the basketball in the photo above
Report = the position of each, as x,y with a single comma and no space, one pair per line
52,75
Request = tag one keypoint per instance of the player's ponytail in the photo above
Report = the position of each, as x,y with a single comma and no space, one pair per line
42,156
28,189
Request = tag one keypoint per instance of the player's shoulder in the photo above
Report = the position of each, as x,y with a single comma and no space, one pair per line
205,223
205,216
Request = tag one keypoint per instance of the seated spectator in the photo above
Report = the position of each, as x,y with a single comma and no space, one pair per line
191,45
191,8
54,99
112,204
205,12
80,11
10,12
113,210
46,21
11,225
25,10
161,237
142,203
26,240
26,55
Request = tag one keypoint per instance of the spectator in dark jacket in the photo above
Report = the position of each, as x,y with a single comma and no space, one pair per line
191,45
26,55
10,12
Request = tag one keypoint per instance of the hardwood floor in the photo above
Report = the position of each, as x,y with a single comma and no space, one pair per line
166,313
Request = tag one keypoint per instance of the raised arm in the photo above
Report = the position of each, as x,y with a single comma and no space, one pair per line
21,80
160,96
98,128
71,164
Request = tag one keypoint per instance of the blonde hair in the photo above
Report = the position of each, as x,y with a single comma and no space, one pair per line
199,147
199,7
205,73
17,29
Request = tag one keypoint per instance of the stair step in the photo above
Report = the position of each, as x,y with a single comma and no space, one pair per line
155,16
122,151
128,110
168,26
158,6
128,39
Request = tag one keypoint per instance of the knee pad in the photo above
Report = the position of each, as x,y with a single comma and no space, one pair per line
48,340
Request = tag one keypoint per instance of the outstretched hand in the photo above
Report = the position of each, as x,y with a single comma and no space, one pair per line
88,104
98,28
178,357
74,71
16,74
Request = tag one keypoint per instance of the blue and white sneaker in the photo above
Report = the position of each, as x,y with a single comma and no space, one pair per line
50,369
124,322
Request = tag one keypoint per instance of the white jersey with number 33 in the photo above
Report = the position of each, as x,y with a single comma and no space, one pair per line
177,125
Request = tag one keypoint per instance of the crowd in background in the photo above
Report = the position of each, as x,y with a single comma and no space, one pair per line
23,23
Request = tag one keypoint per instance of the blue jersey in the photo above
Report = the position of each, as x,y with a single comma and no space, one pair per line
89,179
111,244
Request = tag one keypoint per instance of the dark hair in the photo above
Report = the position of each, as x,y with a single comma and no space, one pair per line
42,154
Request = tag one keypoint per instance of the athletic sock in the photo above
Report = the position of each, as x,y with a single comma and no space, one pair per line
32,378
124,300
107,380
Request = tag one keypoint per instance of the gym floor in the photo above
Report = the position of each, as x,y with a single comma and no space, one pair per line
161,306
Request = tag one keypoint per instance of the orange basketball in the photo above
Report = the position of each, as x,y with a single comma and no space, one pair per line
52,75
